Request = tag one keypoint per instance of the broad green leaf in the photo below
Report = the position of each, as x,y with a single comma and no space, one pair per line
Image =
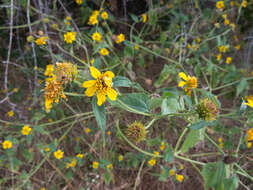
200,124
170,105
191,139
99,112
231,183
155,102
163,76
120,81
107,177
241,86
168,155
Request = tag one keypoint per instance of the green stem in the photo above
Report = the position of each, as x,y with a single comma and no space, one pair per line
214,143
138,175
151,122
180,138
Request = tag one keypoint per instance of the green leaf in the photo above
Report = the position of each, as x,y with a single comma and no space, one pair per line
99,112
120,81
107,177
199,125
170,105
241,86
191,139
163,76
134,17
231,183
168,155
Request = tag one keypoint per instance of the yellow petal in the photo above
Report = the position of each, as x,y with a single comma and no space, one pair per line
101,98
112,94
88,84
90,91
183,76
109,74
181,83
94,72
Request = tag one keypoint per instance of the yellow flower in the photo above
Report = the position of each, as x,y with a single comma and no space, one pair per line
244,4
189,83
58,154
29,38
49,70
181,166
87,130
237,47
152,162
218,57
162,147
43,188
26,130
217,25
220,5
79,2
41,41
73,163
136,47
250,135
120,38
232,26
172,172
249,144
228,60
249,101
68,18
144,18
15,90
95,165
69,37
223,49
224,16
93,20
92,61
79,155
232,3
156,153
104,15
102,85
7,144
221,145
47,149
65,72
10,113
67,23
55,26
120,158
104,51
108,133
109,166
226,22
179,177
96,37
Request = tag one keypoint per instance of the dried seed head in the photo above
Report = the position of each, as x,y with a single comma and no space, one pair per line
207,110
136,132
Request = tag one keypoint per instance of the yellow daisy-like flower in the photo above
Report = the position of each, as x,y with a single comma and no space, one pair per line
69,37
95,165
87,130
179,177
220,5
79,2
104,51
109,166
218,57
47,149
144,18
162,147
58,154
120,158
249,144
79,155
104,15
120,38
10,113
7,144
228,60
189,83
49,70
172,172
249,101
96,36
93,20
71,164
156,153
226,22
250,135
244,4
152,162
102,85
223,49
41,41
26,130
43,188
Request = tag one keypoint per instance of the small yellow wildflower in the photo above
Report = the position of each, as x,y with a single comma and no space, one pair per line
92,61
29,38
69,37
144,18
47,149
162,147
232,26
181,166
223,49
10,113
49,70
15,90
228,60
189,46
120,38
108,133
79,155
249,101
68,18
104,15
26,130
156,153
41,41
232,3
224,16
218,57
93,20
96,36
79,2
102,85
120,158
226,22
55,26
179,177
136,47
249,144
87,130
237,47
217,25
244,4
58,154
104,51
172,172
109,166
67,23
95,165
220,5
250,135
152,162
7,144
73,163
43,188
189,83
